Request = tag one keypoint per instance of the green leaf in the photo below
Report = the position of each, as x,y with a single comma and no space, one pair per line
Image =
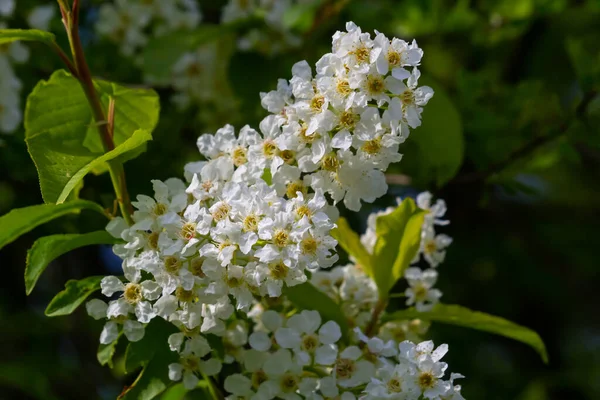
30,35
154,354
22,220
106,352
434,151
62,137
138,138
350,242
307,297
75,293
175,392
398,240
48,248
461,316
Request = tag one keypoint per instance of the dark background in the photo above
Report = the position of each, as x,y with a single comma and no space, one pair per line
522,77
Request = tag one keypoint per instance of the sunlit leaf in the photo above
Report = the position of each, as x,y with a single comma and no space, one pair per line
75,293
461,316
48,248
22,220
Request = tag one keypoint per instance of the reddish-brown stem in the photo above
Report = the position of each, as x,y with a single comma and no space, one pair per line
379,308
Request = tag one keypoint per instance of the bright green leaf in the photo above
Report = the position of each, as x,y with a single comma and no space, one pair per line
30,35
175,392
398,240
136,140
22,220
106,352
434,151
75,293
308,297
350,242
48,248
461,316
61,136
301,16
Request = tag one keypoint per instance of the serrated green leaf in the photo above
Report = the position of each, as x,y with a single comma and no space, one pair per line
307,297
154,354
30,35
75,293
48,248
22,220
434,151
138,138
350,242
61,136
398,240
462,316
106,352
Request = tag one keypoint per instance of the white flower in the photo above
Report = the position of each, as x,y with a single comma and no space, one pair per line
351,370
300,335
133,300
7,7
421,292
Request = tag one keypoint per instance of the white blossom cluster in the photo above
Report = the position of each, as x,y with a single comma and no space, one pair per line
212,255
11,113
343,126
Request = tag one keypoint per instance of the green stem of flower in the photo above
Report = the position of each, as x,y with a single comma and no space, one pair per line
84,76
214,391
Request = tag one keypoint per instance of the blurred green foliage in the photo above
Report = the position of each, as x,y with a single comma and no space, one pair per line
511,141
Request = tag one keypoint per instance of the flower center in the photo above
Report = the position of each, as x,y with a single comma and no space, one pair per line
278,270
287,156
269,148
159,209
186,296
343,87
420,291
362,53
372,146
190,363
394,385
258,377
172,265
221,211
196,267
309,343
250,223
188,231
239,156
153,240
234,281
289,383
375,84
317,102
345,368
407,97
430,247
303,210
348,120
307,138
426,380
394,58
132,293
330,162
294,187
281,237
309,245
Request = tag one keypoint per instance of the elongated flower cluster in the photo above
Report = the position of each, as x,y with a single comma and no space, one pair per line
214,255
342,127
